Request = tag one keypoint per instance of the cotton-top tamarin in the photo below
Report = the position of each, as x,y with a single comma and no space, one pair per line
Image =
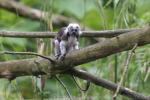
67,40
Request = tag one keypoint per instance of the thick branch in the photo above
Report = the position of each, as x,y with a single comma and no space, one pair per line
106,33
99,50
12,69
27,12
108,47
107,84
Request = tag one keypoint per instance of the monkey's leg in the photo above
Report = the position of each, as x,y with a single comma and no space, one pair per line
63,49
57,48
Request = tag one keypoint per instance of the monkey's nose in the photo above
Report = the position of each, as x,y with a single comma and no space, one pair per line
74,32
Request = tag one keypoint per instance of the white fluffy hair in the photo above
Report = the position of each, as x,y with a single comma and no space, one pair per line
74,25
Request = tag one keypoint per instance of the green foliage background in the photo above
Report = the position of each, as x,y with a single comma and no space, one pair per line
95,14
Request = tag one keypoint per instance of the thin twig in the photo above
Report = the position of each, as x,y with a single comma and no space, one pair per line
27,53
125,70
147,74
64,86
87,85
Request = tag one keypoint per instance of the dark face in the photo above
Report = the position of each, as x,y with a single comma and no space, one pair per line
73,30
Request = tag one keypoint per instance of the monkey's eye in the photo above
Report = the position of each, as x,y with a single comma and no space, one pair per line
72,29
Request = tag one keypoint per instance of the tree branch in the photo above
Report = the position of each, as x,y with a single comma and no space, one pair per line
64,86
27,53
103,49
37,66
107,84
34,14
105,33
124,71
58,20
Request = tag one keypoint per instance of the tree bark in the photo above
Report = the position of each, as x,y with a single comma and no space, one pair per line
38,66
99,50
31,13
107,84
105,33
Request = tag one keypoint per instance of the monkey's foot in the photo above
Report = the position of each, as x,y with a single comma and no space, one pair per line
61,58
57,56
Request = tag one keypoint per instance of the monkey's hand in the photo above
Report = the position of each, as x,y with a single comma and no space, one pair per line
57,56
61,57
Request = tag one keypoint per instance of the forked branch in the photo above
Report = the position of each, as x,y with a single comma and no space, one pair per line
38,66
107,84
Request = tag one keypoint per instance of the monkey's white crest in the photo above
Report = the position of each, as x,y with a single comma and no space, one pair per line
67,40
73,27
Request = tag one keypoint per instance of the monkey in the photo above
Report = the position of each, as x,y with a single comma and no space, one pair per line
66,40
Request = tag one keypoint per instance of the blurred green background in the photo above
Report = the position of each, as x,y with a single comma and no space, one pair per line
95,14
